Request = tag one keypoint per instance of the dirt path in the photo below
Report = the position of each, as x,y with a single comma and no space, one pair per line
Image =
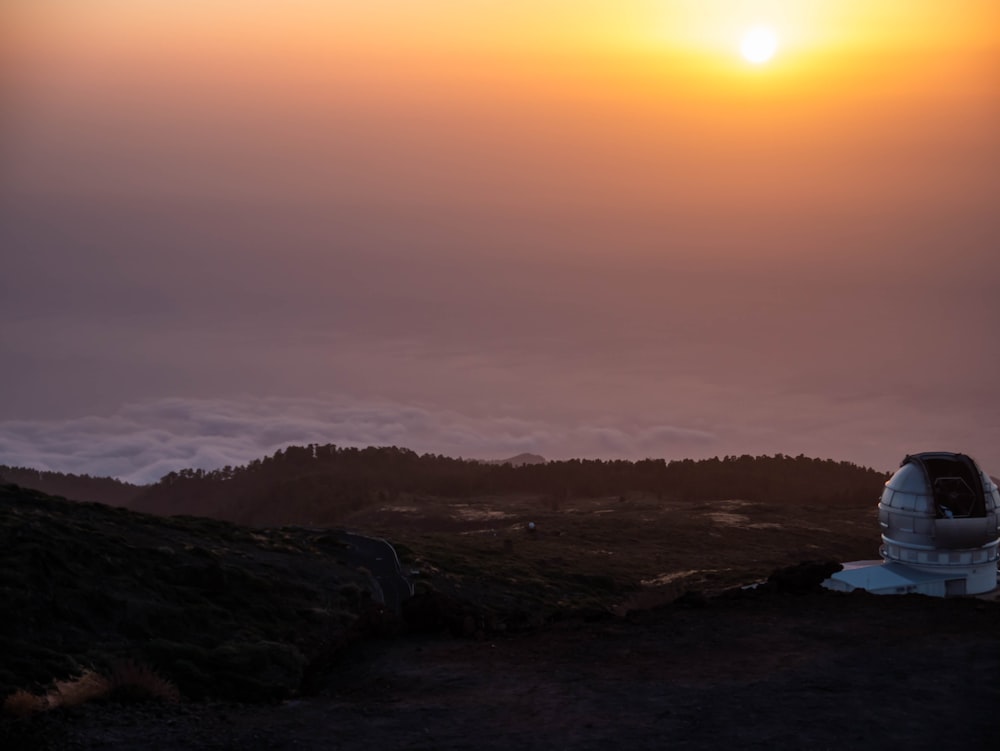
781,672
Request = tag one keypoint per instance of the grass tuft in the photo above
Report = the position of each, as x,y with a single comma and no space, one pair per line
133,681
128,682
89,686
23,703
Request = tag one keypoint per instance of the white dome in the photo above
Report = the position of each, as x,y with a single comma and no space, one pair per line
941,512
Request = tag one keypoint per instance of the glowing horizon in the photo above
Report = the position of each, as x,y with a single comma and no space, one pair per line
819,33
574,211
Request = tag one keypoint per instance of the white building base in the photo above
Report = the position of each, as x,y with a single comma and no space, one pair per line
898,579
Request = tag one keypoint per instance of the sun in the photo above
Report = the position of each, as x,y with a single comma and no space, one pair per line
759,44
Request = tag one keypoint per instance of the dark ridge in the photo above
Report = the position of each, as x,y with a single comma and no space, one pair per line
107,490
323,484
216,609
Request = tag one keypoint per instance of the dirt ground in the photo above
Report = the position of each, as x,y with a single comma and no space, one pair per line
597,662
646,549
767,671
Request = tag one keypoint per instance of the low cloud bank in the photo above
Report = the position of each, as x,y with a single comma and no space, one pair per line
143,441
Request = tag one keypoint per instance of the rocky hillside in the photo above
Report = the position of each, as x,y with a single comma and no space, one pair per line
214,608
202,610
78,487
326,484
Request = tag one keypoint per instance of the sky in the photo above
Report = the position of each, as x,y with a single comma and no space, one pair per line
478,228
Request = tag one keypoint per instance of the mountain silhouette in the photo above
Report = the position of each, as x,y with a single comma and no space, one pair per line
323,484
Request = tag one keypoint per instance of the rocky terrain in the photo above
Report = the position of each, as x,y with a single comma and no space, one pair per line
220,610
271,639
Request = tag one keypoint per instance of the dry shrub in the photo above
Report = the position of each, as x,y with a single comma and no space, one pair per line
76,691
129,681
137,682
22,703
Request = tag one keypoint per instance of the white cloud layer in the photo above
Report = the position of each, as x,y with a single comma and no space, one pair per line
142,441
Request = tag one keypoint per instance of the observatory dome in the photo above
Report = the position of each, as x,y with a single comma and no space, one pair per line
940,514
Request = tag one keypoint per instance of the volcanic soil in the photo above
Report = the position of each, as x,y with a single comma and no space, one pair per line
617,622
769,671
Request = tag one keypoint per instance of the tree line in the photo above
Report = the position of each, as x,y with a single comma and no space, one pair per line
107,490
322,482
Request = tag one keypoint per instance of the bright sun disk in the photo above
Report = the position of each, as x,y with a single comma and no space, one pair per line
759,44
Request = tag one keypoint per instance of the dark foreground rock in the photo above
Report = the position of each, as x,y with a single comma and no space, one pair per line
767,671
804,577
278,618
219,610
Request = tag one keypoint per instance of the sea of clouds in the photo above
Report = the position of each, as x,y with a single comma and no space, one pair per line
144,440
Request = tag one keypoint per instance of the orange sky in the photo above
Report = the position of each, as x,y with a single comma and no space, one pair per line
526,103
622,148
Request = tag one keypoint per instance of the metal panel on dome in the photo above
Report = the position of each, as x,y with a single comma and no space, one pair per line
964,533
909,478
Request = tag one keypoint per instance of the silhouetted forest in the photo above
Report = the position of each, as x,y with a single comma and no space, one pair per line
78,487
321,483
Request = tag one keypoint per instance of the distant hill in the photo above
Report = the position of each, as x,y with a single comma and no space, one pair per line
520,460
106,490
323,484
